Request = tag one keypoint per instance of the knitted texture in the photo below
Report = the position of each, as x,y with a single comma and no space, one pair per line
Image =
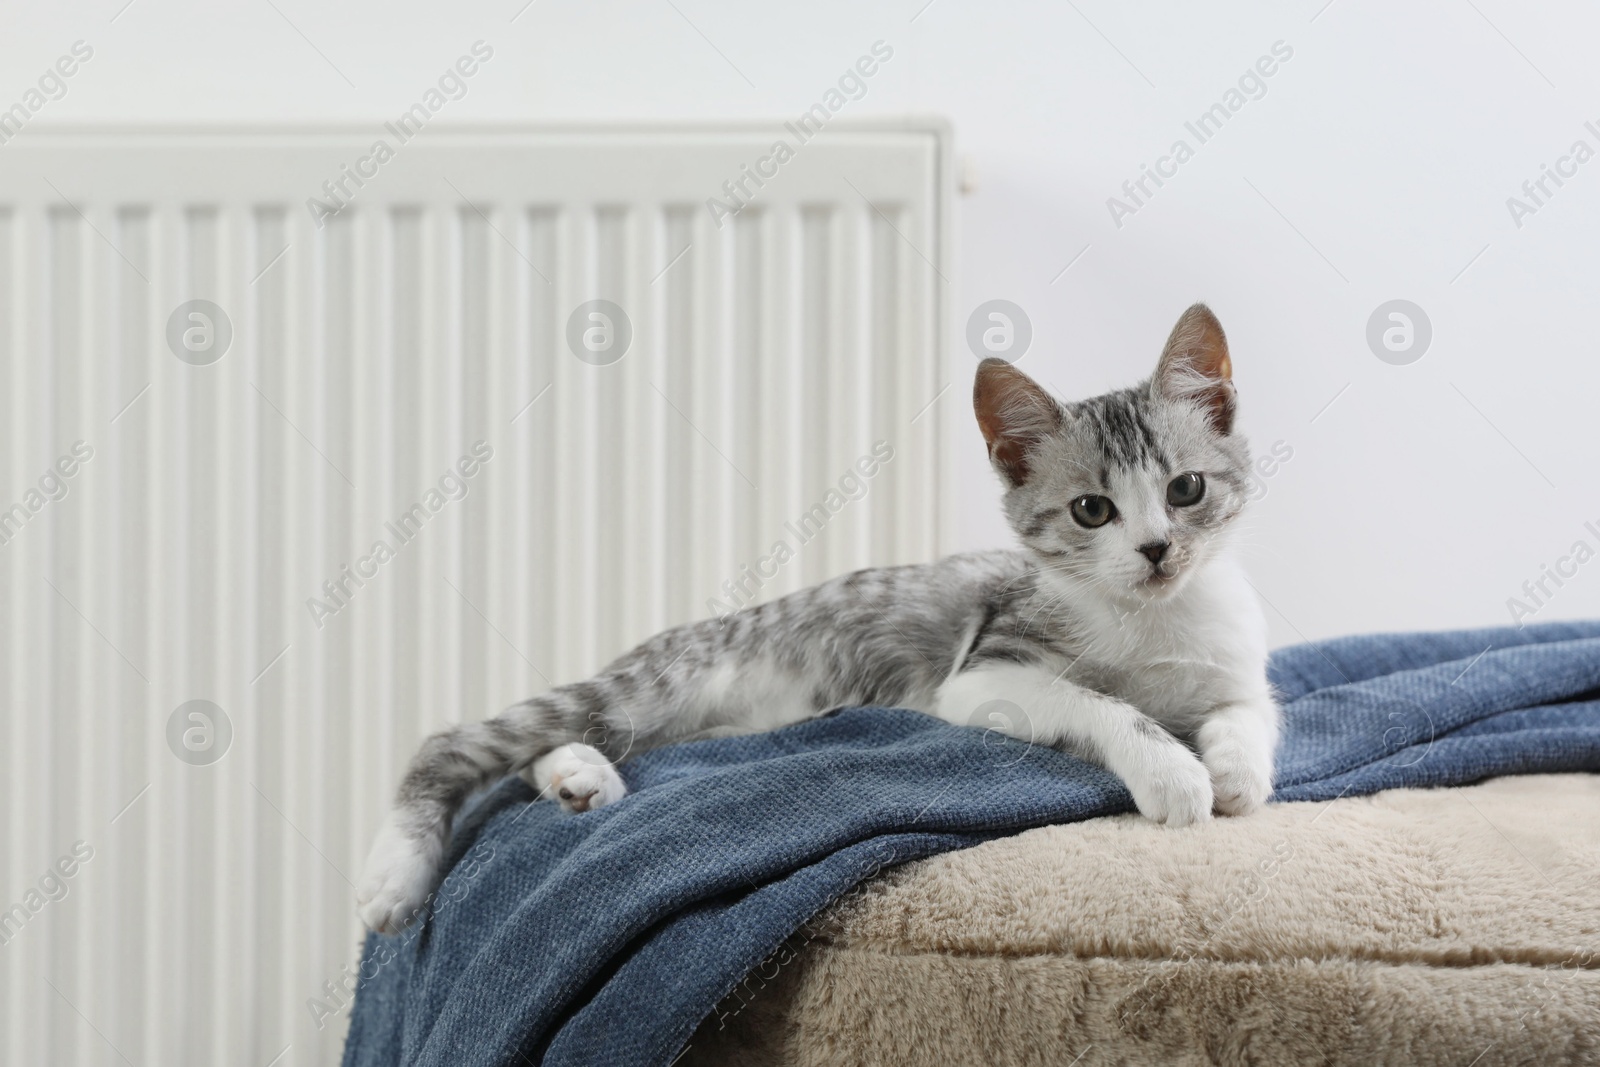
604,938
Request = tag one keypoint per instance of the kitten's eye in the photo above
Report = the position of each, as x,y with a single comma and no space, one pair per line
1092,511
1186,489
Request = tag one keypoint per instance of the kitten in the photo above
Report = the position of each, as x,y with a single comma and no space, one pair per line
1123,630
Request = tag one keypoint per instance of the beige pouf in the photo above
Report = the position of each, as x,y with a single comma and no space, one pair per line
1413,927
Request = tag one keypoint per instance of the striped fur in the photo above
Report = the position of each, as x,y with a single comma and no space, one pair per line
1151,651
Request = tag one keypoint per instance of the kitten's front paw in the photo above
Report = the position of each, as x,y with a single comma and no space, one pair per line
1242,783
1171,786
401,872
579,776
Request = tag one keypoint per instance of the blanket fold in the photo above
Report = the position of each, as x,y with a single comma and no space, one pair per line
605,938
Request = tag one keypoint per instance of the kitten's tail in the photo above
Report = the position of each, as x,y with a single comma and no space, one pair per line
403,867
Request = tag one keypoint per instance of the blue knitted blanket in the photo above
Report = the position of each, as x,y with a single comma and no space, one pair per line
606,937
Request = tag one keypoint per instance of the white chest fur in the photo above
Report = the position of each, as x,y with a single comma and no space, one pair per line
1178,657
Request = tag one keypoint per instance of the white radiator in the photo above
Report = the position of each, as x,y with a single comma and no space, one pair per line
174,519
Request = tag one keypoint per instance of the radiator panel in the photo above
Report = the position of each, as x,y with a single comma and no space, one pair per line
368,354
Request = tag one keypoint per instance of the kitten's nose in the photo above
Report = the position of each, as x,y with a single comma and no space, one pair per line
1155,550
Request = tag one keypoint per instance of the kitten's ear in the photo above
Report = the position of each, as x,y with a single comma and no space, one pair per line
1013,413
1195,366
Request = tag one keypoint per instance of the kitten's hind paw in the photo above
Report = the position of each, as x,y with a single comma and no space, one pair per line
578,776
399,876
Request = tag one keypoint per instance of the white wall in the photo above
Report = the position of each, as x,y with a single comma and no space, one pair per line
1377,166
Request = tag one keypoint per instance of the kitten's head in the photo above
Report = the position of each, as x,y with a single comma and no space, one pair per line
1127,493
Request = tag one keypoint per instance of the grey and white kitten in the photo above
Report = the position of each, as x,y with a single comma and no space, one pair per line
1123,630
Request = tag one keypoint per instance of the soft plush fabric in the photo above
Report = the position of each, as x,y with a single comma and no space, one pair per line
1415,928
606,937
